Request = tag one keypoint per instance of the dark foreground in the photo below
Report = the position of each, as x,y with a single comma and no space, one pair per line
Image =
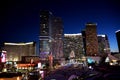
103,72
97,73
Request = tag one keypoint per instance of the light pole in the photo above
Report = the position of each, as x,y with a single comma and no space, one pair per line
50,56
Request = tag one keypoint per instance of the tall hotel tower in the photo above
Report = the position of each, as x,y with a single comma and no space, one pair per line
118,39
51,35
91,40
103,45
57,35
73,42
45,32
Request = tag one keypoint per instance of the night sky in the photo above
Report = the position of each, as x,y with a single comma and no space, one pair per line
20,21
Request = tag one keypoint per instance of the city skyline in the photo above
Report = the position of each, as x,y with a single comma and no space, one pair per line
22,19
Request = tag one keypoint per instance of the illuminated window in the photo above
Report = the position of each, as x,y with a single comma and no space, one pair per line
43,25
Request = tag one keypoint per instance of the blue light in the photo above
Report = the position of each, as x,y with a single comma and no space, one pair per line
90,60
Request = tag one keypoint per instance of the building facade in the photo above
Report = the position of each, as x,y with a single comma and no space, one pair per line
91,39
103,44
51,35
84,41
57,35
45,32
16,50
88,42
118,39
73,43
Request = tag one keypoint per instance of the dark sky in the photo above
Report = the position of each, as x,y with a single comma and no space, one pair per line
20,20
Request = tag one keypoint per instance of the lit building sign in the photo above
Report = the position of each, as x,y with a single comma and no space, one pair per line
39,65
30,59
3,56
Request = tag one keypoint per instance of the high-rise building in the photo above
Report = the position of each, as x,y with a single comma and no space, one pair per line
57,35
51,35
73,42
118,39
93,43
45,32
103,45
16,50
78,41
91,39
84,41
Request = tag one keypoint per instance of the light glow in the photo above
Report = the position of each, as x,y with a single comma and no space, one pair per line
101,35
73,34
19,43
117,31
3,56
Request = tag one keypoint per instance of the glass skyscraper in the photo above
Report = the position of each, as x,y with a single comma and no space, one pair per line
45,32
51,35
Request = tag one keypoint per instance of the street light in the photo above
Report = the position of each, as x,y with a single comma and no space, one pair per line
50,57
